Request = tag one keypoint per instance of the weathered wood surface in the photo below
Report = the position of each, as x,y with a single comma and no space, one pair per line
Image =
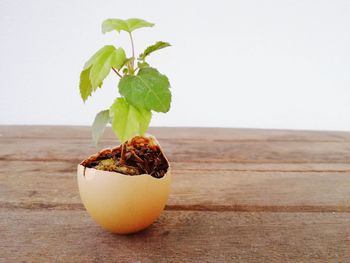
178,236
237,195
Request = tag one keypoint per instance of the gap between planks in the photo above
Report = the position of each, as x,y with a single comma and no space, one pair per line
248,166
206,140
195,207
183,133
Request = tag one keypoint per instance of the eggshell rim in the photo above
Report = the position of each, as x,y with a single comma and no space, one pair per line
92,172
110,173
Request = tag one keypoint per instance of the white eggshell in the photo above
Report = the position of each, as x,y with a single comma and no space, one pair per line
122,203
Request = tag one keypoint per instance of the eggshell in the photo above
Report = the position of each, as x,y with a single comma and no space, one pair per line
122,203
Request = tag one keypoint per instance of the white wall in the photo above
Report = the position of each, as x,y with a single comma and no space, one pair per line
264,64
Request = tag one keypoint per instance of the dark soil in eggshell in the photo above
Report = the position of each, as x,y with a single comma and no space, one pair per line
140,155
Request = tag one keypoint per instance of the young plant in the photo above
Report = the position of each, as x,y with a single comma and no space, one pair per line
141,87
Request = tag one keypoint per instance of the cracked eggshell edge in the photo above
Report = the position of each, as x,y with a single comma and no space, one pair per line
122,203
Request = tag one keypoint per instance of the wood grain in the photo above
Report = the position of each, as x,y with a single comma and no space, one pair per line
71,236
170,133
53,185
238,195
198,151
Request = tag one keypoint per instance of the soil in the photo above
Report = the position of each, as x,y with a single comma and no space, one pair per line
140,155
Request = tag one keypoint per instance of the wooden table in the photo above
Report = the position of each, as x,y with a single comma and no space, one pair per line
238,195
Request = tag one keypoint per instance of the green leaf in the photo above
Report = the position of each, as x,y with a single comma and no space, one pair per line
158,45
99,125
127,25
148,90
128,121
142,65
95,57
85,84
101,63
144,120
125,71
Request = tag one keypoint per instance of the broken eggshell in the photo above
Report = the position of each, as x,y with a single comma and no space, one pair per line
122,203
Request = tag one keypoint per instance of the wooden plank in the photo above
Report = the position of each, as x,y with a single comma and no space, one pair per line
71,236
74,150
176,133
262,167
238,195
53,185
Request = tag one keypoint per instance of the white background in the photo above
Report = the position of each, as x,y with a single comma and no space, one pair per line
262,64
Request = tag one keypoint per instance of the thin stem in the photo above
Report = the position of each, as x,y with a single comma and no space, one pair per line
132,45
122,155
137,157
133,54
116,71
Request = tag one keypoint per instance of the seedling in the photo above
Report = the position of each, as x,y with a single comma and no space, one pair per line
142,88
125,188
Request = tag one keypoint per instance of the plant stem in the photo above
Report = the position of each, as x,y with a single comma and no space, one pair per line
116,71
133,53
122,155
132,45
